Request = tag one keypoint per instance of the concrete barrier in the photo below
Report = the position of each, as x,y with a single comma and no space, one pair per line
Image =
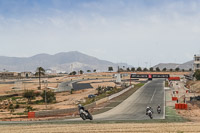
54,112
102,101
119,93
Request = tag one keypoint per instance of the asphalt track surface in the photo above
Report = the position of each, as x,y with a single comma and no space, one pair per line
134,107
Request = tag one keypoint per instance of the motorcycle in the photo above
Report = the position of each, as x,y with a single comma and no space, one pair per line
86,115
159,110
150,114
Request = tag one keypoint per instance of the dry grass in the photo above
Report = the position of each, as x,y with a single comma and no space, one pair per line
103,128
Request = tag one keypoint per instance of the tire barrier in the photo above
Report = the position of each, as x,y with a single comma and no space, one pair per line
174,98
181,106
31,115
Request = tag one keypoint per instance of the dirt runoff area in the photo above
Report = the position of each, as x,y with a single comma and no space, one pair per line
103,128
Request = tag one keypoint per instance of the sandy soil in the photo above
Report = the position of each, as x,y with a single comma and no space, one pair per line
193,113
103,128
194,86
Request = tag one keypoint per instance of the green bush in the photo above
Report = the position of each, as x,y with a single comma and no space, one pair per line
29,94
11,108
50,96
28,109
17,106
197,74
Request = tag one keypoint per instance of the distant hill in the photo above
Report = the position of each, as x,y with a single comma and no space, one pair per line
185,66
65,62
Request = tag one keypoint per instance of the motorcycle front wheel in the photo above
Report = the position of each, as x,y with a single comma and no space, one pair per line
82,116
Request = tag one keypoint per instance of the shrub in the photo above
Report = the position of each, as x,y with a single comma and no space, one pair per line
29,94
17,106
197,74
50,96
28,109
11,108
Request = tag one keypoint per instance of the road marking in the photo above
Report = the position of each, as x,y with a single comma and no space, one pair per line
153,95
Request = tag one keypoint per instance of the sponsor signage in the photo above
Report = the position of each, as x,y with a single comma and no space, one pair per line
139,76
150,76
160,75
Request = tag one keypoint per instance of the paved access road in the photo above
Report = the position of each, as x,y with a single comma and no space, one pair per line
134,107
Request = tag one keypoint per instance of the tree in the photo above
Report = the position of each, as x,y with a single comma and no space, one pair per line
133,69
50,96
164,69
110,69
145,69
171,69
183,70
121,70
29,94
99,90
197,74
151,69
81,71
73,73
157,69
139,69
190,69
177,69
128,69
88,71
94,70
39,72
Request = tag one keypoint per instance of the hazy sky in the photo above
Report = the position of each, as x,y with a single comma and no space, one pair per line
137,32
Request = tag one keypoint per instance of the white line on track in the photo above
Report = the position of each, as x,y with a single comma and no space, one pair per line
153,95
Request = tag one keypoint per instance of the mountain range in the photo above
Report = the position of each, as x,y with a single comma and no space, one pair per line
70,61
60,62
185,66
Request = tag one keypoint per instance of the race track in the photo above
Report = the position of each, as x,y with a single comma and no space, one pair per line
133,108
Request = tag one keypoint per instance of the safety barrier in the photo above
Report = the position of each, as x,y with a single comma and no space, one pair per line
31,115
174,98
181,106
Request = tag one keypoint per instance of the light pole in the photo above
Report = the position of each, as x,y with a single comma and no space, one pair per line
45,94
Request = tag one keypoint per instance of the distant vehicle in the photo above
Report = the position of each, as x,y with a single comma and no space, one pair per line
91,96
158,109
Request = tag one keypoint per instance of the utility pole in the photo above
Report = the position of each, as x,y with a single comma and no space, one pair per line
46,85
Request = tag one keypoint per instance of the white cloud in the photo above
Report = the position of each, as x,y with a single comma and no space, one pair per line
156,35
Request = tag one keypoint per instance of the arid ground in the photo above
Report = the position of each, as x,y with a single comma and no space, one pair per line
104,128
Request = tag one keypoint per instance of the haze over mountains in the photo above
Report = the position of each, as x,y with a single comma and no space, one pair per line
61,62
68,62
185,66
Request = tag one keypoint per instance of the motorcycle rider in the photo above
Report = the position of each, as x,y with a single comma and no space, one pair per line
81,109
147,109
84,114
158,109
151,109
